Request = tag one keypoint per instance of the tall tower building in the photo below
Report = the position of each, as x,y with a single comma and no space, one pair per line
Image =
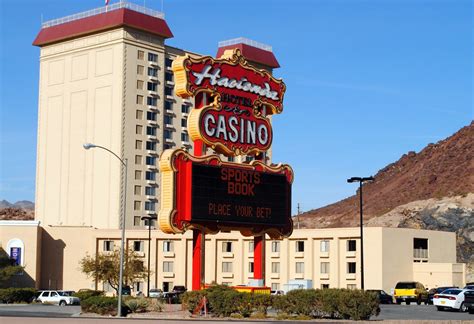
105,78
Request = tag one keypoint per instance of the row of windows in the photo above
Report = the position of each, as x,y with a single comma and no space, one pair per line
299,246
151,86
152,57
149,191
299,267
138,246
149,205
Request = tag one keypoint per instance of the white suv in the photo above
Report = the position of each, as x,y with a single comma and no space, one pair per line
57,297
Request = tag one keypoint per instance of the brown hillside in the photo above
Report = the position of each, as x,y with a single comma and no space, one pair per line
440,170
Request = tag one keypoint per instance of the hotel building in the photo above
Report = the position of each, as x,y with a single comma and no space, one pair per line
105,78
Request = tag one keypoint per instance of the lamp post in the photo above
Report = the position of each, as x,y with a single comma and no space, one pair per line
148,219
88,146
361,180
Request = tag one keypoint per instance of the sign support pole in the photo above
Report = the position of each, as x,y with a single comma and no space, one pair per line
259,258
199,237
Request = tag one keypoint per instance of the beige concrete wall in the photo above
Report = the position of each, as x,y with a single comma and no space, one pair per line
440,274
29,233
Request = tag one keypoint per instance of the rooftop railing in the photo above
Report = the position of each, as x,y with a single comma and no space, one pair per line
104,9
243,40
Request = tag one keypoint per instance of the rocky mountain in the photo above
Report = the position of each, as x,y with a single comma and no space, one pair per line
432,189
21,210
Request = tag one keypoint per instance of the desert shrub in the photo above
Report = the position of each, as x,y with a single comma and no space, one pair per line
102,305
192,299
85,294
223,300
137,305
17,295
261,302
357,304
243,304
301,302
154,305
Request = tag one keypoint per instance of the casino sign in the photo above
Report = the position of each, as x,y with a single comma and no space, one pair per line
235,122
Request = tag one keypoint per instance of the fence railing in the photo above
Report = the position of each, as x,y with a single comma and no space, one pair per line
243,40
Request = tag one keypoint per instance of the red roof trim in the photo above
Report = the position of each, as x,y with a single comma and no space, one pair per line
253,54
102,22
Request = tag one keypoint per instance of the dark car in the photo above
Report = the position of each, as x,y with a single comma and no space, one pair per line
179,289
434,291
382,296
469,301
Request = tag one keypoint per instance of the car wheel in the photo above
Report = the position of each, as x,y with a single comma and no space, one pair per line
439,308
408,303
471,310
418,302
62,303
463,308
398,301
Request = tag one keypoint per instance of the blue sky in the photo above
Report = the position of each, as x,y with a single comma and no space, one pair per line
367,81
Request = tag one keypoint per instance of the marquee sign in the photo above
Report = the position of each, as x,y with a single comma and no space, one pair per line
235,122
209,194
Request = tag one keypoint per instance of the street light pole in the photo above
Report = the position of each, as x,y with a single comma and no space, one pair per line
149,219
124,162
361,180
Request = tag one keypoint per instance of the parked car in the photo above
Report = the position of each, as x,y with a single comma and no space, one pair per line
277,292
438,290
451,299
156,293
382,296
410,291
57,297
470,285
469,300
179,289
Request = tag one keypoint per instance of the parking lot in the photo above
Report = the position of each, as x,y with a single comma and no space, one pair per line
388,312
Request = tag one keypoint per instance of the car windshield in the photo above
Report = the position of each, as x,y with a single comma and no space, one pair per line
405,285
62,293
451,292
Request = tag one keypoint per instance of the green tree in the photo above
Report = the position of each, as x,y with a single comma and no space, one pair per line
105,267
7,267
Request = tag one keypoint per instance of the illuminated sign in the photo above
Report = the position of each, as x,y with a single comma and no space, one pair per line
235,121
15,255
207,193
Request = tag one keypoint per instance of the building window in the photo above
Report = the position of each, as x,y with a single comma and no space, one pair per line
152,72
138,286
152,86
138,246
351,267
139,100
275,267
168,76
168,246
226,246
275,246
137,190
108,245
351,245
184,137
420,248
150,160
167,146
140,69
151,146
138,175
140,84
152,57
150,101
138,159
151,115
150,175
141,55
299,267
226,266
168,91
168,120
324,267
184,122
139,115
184,109
351,286
250,267
136,220
324,286
150,191
275,286
168,105
151,130
251,246
150,205
138,144
139,129
168,134
168,61
137,205
324,246
167,266
299,246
